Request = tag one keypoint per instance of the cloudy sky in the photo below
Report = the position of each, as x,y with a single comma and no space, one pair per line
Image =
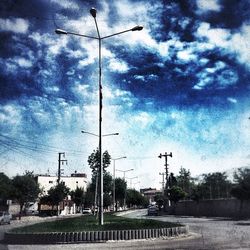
180,85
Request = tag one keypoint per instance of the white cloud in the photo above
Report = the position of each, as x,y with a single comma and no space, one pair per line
139,77
52,89
10,115
186,55
75,53
208,5
232,100
240,44
203,61
53,42
217,36
118,65
218,77
66,4
142,119
128,9
17,25
235,43
22,62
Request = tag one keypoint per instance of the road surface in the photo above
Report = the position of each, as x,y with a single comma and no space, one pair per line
206,233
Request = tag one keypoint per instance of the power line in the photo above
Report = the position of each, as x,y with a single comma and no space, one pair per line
38,147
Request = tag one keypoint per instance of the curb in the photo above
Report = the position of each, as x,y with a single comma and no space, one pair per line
92,236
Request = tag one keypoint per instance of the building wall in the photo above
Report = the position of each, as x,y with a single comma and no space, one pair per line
72,182
213,208
150,193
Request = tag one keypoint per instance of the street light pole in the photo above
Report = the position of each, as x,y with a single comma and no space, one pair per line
124,172
114,203
93,13
131,180
99,38
86,132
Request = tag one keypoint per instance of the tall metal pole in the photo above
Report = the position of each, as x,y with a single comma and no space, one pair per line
124,172
163,182
59,166
100,128
93,13
99,38
114,203
166,155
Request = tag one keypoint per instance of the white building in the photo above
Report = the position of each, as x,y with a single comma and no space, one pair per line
72,182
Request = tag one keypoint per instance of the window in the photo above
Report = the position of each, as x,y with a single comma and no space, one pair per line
50,182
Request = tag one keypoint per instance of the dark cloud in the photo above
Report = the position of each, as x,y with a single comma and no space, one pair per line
167,80
232,15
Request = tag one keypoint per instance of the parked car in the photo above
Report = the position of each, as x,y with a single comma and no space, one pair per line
5,217
153,210
86,211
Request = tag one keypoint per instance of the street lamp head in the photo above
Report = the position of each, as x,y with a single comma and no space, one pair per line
61,32
160,156
137,28
93,12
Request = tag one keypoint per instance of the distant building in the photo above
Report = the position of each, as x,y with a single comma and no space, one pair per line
150,193
72,182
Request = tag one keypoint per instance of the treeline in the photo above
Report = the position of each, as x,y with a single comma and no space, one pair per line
21,188
24,189
209,186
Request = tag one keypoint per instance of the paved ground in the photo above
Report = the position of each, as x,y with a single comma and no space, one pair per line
214,233
206,233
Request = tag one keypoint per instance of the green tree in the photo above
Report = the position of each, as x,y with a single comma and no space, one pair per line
184,180
120,191
94,161
242,188
215,185
106,200
135,198
89,197
107,183
176,193
78,197
57,194
196,193
5,188
25,189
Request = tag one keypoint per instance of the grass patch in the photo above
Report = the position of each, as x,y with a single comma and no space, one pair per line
90,223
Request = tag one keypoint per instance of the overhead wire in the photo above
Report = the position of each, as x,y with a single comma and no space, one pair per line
39,147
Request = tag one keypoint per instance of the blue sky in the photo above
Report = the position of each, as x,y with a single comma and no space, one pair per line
180,85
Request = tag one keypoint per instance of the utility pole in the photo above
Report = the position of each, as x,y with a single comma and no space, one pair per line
166,155
163,181
60,161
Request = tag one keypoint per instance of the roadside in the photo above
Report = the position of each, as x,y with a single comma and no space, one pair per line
29,220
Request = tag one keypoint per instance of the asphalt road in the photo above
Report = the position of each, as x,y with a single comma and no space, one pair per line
205,233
